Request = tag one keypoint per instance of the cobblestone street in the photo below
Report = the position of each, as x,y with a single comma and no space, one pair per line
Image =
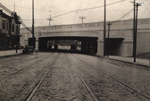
47,76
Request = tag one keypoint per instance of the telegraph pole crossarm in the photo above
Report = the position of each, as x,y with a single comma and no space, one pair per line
82,17
50,20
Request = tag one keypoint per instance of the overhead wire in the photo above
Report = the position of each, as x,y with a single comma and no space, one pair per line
81,10
123,23
25,26
2,6
101,6
76,12
123,16
58,15
89,3
88,8
117,14
124,27
146,7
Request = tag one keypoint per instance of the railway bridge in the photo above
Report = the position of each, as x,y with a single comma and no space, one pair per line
80,44
120,38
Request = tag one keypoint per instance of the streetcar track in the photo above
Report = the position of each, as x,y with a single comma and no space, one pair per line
36,86
114,78
25,68
83,81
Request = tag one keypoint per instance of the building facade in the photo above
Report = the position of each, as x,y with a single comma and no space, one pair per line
9,31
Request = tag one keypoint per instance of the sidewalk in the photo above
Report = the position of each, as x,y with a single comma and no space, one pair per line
141,62
10,52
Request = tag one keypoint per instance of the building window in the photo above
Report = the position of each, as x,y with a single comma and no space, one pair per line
13,28
3,24
17,28
7,26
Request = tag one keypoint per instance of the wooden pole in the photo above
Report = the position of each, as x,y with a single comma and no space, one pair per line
104,36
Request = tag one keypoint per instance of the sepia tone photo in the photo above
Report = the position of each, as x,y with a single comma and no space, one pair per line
74,50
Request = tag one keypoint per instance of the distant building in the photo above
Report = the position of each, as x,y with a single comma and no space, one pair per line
9,31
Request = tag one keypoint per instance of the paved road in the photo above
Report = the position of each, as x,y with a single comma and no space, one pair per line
55,77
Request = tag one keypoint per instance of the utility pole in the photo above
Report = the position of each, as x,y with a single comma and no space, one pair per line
31,41
134,56
135,30
82,17
16,33
104,36
50,20
108,38
32,18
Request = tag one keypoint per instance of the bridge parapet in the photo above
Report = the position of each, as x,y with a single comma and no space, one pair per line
119,25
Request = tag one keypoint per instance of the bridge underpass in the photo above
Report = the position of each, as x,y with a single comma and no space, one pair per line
87,45
113,46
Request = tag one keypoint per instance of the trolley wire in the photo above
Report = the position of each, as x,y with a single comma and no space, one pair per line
82,10
87,9
122,16
25,26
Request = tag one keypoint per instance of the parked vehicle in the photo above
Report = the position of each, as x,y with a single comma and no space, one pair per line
28,50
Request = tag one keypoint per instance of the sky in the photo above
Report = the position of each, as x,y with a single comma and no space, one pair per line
70,11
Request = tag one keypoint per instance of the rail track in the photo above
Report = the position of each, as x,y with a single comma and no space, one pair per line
35,87
24,68
115,79
95,98
30,94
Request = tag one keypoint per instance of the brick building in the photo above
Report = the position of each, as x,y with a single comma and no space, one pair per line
9,30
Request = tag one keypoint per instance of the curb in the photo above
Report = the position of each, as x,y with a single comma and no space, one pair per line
15,54
124,61
129,62
10,55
